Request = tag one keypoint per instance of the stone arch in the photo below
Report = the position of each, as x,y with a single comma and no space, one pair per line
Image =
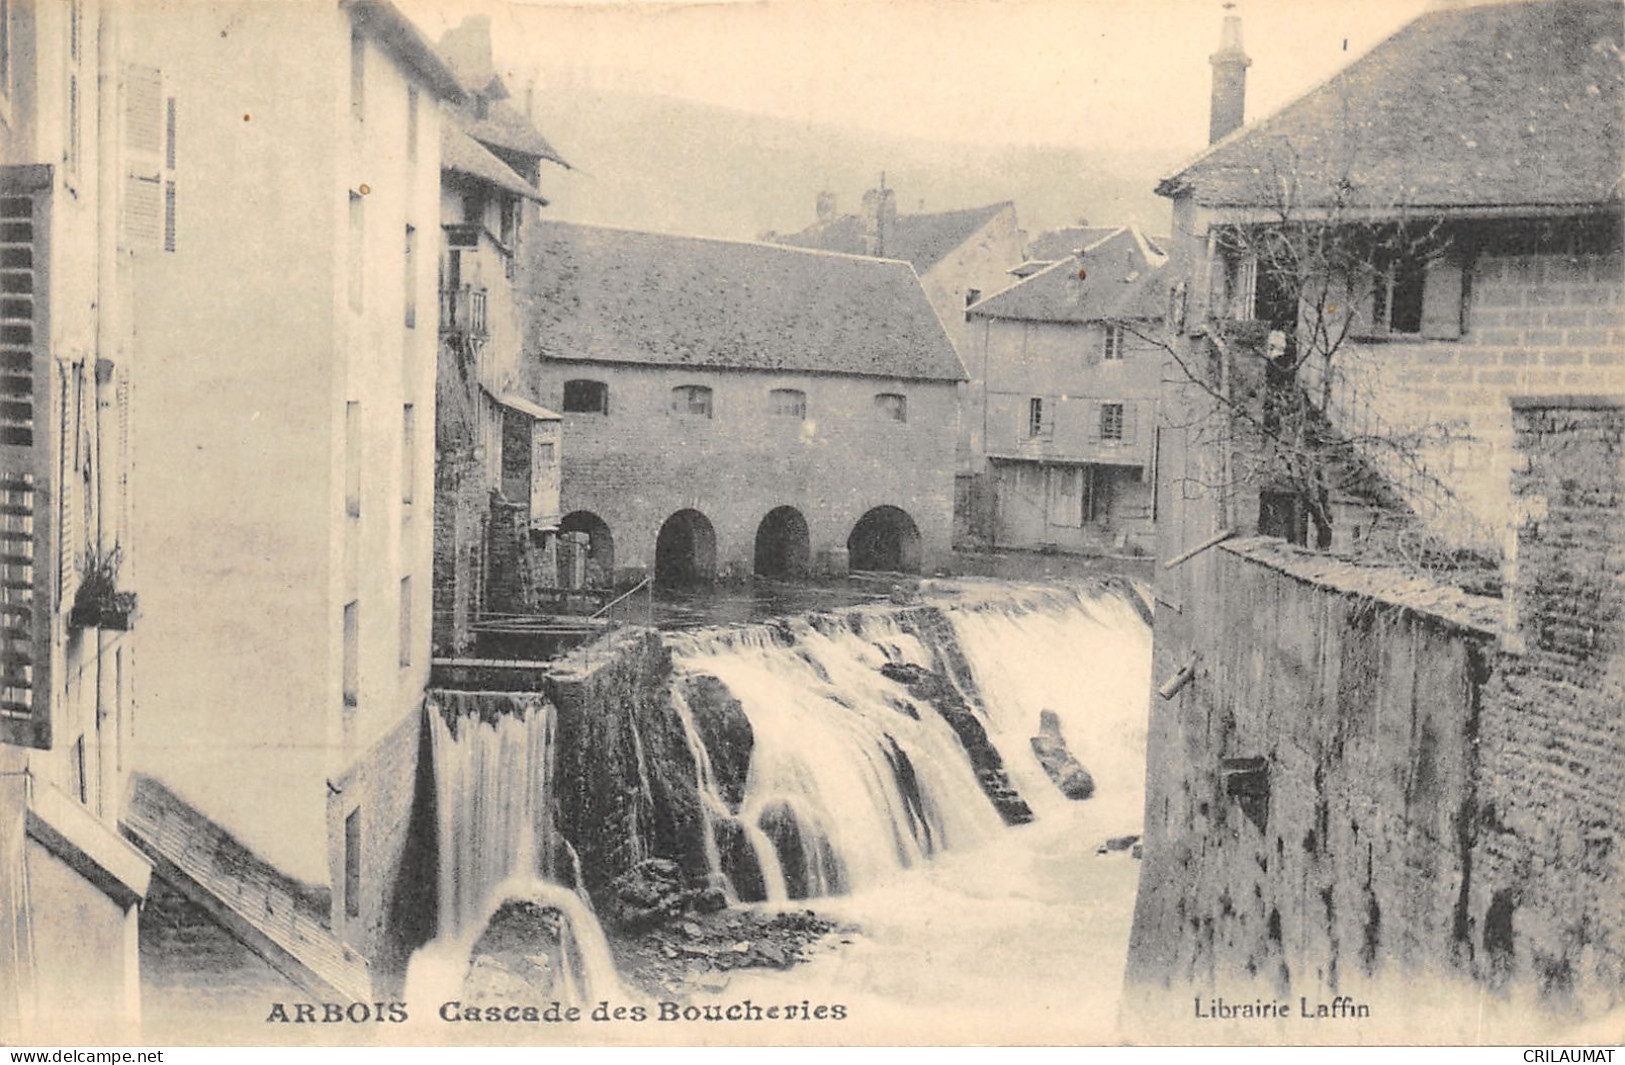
686,550
590,562
783,544
885,538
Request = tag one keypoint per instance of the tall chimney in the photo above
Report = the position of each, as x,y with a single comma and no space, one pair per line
1230,65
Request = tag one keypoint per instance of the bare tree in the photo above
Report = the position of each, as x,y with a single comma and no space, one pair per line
1284,381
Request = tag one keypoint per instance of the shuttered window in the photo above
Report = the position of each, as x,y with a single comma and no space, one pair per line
150,153
27,559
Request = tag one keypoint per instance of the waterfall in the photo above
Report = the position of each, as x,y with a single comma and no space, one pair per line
852,778
493,757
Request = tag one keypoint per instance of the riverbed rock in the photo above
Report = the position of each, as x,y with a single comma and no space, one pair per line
725,730
1063,768
518,956
937,690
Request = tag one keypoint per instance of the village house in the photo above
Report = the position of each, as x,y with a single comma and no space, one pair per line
285,315
960,256
1072,360
1359,770
70,886
736,408
497,460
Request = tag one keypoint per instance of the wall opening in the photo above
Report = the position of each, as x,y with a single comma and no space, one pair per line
586,551
685,550
783,546
886,538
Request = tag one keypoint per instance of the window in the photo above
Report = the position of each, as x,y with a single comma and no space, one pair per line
544,456
409,457
352,654
352,863
406,621
1038,424
411,123
411,278
352,459
586,397
358,76
891,406
788,402
1112,351
691,399
1111,421
358,232
1396,299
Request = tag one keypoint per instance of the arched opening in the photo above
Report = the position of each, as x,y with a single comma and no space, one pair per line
886,538
586,551
685,550
783,547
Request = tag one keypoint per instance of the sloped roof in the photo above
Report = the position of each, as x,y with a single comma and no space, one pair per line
505,128
1513,104
614,295
1060,243
385,23
1125,282
461,154
922,240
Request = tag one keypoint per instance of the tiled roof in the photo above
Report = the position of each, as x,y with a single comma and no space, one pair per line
921,239
1124,281
1060,243
613,295
461,154
506,129
1513,104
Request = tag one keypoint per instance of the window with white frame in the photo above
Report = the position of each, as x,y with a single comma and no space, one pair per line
1040,419
1112,344
1111,422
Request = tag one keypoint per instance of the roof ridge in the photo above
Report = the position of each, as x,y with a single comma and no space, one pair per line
775,246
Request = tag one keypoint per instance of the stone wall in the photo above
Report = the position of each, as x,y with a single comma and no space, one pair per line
640,463
1310,796
1554,730
1535,322
391,786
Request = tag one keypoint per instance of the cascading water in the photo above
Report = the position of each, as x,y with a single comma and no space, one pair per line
493,757
852,778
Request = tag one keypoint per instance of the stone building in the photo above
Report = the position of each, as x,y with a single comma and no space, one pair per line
960,256
70,886
736,408
1493,215
497,458
285,482
1072,361
1364,779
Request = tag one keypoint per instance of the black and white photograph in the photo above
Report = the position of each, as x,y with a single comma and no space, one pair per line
581,523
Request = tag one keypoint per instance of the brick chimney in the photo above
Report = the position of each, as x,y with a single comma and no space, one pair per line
1230,65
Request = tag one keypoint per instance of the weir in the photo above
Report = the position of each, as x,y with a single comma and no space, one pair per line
806,757
493,757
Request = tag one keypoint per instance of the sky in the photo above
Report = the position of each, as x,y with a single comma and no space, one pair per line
1097,77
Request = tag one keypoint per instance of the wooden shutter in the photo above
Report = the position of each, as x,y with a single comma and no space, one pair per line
1441,298
144,150
27,562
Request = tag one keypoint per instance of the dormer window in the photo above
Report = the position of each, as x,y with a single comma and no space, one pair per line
692,400
586,397
891,406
